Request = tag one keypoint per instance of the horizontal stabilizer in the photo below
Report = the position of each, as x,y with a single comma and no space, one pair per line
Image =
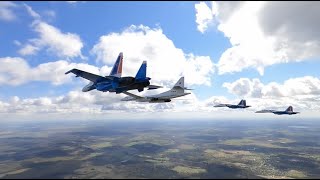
187,89
265,111
150,87
132,95
220,105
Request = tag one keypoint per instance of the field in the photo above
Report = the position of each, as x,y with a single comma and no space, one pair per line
160,149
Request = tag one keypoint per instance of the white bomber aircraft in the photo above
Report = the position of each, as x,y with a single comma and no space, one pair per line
176,91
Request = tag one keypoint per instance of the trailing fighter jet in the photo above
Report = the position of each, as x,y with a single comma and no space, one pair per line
242,104
176,91
288,111
114,82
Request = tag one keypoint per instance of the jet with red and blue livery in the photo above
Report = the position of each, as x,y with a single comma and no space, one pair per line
114,82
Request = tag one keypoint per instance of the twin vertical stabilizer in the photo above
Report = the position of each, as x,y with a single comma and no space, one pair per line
117,67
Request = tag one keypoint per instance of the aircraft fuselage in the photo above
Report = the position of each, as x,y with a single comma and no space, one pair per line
283,112
236,106
122,84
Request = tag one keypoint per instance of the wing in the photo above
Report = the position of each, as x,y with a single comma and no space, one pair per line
150,87
91,77
265,111
132,95
221,105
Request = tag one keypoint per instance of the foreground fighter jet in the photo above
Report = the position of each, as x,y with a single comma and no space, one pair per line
242,104
114,82
288,111
176,91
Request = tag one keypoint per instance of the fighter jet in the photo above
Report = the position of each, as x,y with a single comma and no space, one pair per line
288,111
242,104
114,82
176,91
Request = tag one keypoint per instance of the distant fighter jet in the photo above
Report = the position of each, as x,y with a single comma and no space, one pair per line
114,82
242,104
288,111
176,91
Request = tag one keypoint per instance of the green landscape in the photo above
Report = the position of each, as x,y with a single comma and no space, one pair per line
160,149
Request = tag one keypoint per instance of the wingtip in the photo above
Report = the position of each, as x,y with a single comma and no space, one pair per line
68,71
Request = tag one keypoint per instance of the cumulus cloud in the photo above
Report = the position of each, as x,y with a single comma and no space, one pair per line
98,105
16,71
266,33
93,102
64,45
28,49
204,16
166,63
6,11
302,92
306,85
245,87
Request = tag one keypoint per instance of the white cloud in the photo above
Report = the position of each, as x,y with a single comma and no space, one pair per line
244,87
93,102
267,33
166,63
99,105
64,45
16,71
28,49
306,85
204,16
75,2
50,13
302,92
31,12
17,43
6,12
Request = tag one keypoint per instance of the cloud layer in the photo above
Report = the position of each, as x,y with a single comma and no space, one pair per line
16,71
265,33
302,92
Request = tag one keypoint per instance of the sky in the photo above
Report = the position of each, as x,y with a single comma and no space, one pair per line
264,52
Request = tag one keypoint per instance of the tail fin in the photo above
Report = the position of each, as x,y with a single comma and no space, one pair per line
142,72
242,102
117,67
180,83
179,86
289,109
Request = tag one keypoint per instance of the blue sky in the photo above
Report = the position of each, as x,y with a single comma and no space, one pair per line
180,24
